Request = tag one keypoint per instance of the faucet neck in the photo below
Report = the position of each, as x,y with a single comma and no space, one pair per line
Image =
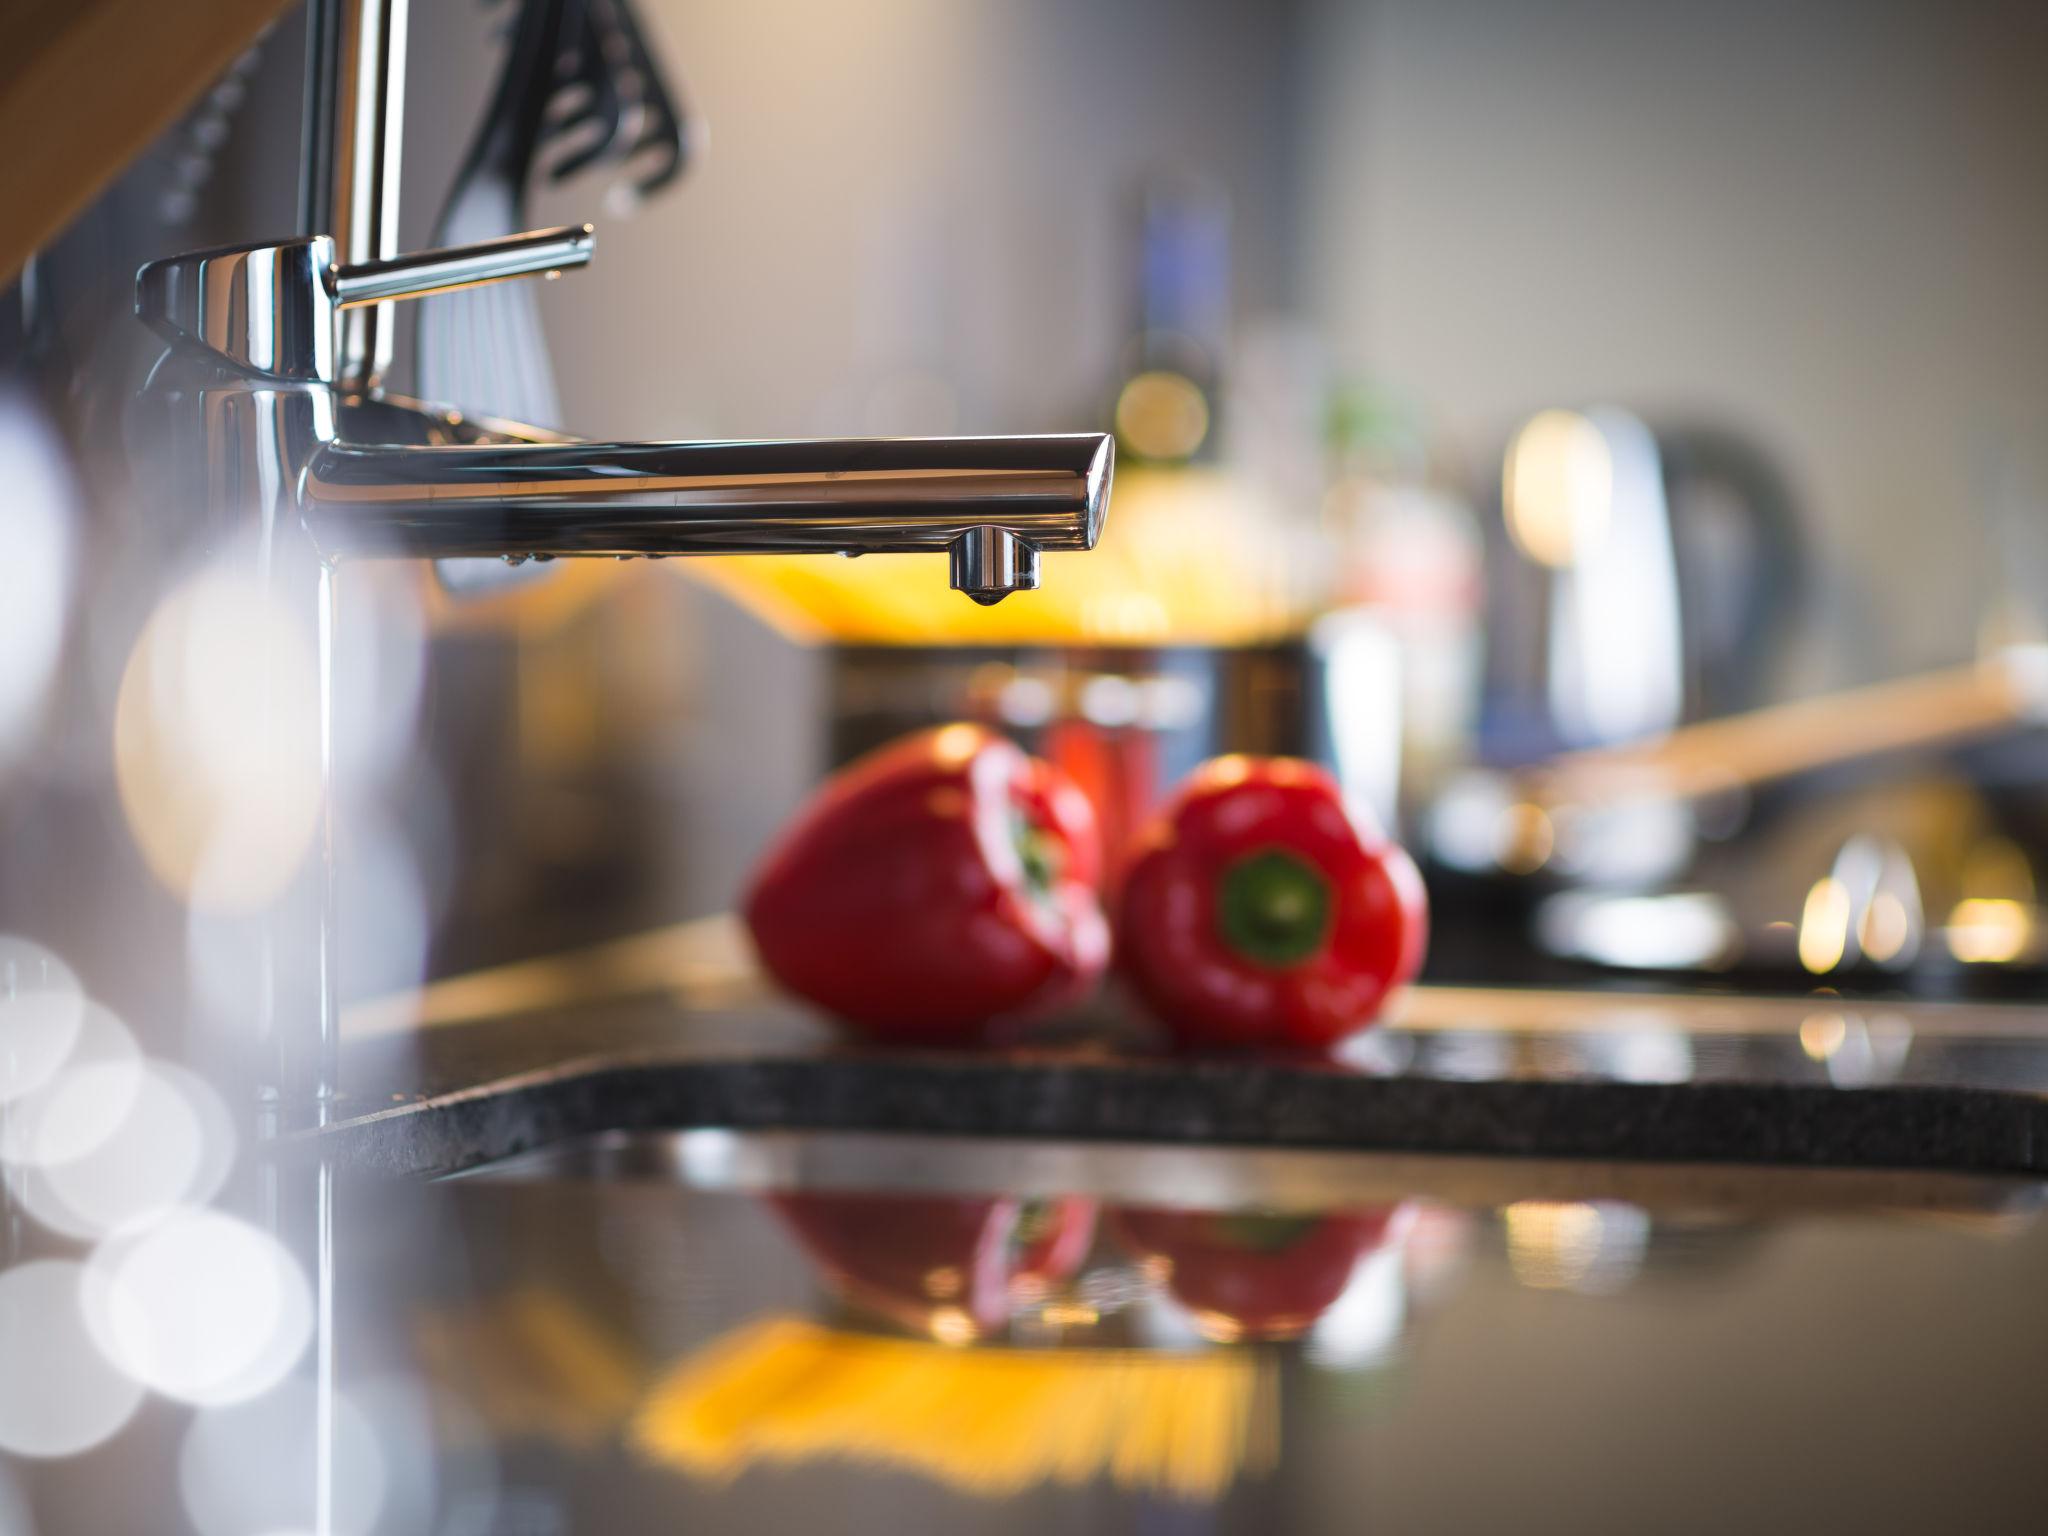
353,138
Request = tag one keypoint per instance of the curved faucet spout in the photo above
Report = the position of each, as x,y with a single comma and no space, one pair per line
993,502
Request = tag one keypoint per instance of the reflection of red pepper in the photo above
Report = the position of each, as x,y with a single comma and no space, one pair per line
1251,1276
940,882
922,1261
1260,911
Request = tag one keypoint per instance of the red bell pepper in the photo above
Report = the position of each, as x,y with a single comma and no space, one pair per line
938,883
1248,1276
966,1264
1261,911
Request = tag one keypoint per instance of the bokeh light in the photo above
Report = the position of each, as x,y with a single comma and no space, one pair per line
1989,930
41,1005
1558,490
1594,1247
58,1395
250,1467
172,1148
1824,926
216,741
1162,415
200,1306
80,1105
1363,1326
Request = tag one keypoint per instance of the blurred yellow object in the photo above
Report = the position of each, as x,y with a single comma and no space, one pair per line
1187,556
989,1422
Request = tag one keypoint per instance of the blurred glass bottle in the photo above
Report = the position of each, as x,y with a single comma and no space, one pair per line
1408,550
1192,538
1167,395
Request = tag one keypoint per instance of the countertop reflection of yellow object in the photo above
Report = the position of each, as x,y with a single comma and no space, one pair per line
1187,556
982,1421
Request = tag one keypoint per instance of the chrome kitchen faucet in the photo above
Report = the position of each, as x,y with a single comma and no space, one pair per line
272,313
275,410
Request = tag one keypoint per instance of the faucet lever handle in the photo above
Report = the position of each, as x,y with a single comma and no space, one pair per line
271,308
545,251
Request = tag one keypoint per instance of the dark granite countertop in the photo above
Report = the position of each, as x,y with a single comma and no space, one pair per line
669,1031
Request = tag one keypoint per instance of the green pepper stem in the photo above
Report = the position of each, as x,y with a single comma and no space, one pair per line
1273,907
1038,850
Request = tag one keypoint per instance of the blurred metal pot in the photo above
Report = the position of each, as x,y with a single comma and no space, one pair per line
1128,722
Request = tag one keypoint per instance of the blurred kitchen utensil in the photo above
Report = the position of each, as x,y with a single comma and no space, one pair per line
1584,637
1980,698
1128,722
482,349
585,107
1628,857
1638,579
578,83
1741,564
1124,721
1624,815
656,142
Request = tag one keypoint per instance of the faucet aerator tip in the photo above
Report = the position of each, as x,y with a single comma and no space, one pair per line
991,563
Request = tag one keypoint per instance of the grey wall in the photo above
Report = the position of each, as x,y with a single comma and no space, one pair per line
1824,224
910,214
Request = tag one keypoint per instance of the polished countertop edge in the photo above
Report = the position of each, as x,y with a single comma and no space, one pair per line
1210,1177
1198,1101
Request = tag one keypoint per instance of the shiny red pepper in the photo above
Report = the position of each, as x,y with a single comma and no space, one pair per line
1261,911
936,884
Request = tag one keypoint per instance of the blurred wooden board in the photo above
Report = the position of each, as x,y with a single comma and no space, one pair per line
85,85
